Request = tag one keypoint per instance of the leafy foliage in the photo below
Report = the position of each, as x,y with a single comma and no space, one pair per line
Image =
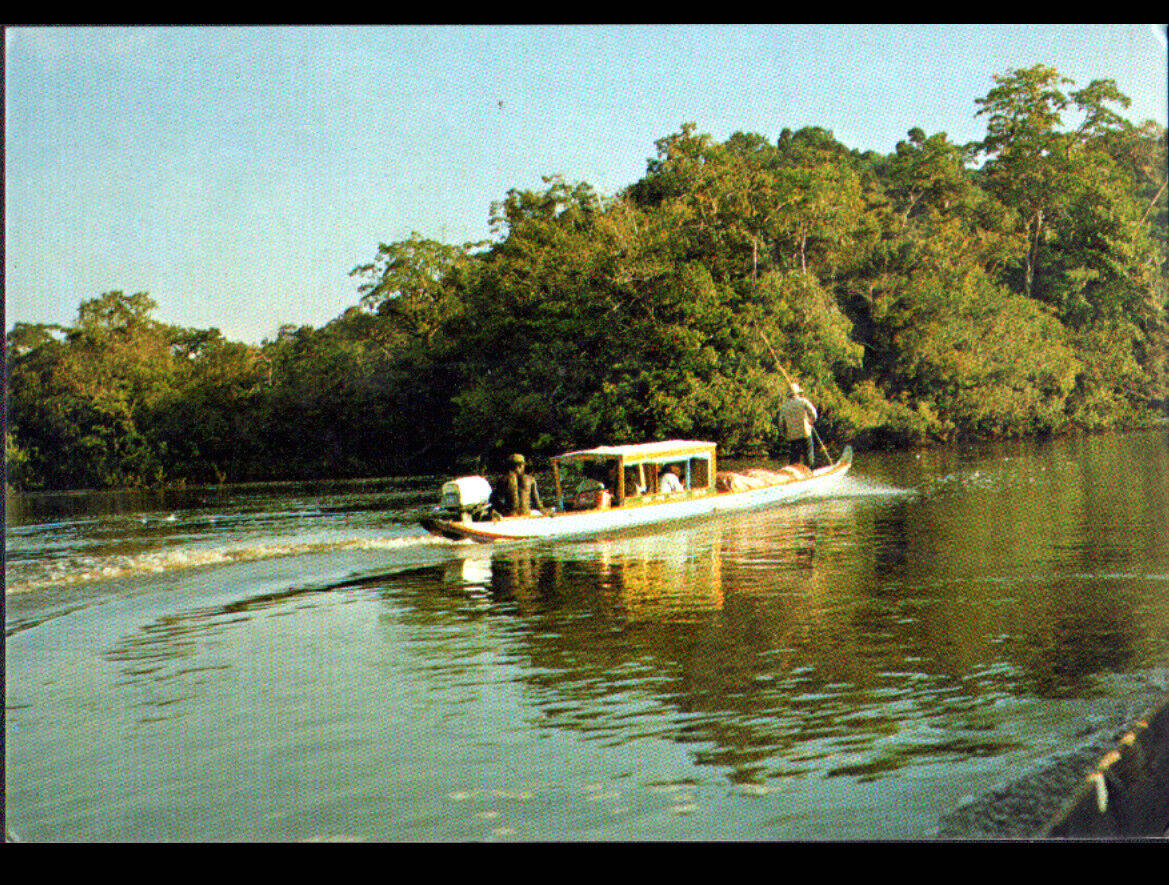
1016,285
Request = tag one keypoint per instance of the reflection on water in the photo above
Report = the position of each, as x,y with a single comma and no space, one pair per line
833,625
752,641
849,666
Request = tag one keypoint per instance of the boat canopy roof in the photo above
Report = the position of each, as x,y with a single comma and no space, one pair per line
644,453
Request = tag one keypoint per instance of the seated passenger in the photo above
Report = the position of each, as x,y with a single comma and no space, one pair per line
670,482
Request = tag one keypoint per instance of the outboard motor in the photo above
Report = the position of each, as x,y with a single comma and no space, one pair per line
465,499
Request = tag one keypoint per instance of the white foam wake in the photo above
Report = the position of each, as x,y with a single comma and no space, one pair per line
81,569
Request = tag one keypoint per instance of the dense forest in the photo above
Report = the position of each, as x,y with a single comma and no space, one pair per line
1013,286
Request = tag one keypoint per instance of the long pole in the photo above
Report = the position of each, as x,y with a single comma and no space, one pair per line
788,378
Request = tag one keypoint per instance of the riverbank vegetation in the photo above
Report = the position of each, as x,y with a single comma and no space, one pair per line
1013,286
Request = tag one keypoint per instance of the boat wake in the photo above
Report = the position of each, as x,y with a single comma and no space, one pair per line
81,569
860,487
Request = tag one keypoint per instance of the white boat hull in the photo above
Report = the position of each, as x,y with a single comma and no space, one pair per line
636,515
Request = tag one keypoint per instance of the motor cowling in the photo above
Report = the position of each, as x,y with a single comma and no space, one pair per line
465,497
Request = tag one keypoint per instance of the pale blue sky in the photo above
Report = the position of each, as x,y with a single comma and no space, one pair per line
238,175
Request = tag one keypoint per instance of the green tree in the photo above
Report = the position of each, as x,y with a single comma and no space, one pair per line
1025,151
820,200
15,462
80,400
204,424
417,281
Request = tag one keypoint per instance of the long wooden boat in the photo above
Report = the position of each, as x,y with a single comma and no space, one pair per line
624,488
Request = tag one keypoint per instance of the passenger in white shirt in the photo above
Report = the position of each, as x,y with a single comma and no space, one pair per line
670,481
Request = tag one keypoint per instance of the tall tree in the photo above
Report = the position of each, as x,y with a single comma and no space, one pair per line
1025,150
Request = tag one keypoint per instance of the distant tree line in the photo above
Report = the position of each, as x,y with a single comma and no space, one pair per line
1012,286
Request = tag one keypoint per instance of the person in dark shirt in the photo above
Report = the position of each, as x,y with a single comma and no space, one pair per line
515,493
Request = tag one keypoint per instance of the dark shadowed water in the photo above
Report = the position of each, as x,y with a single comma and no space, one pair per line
303,663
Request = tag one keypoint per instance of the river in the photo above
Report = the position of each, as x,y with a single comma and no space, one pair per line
301,662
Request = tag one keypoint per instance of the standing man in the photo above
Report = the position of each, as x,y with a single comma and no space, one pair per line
798,414
516,493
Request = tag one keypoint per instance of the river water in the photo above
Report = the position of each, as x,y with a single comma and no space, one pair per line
293,662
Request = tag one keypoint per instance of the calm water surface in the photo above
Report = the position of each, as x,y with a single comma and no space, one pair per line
297,663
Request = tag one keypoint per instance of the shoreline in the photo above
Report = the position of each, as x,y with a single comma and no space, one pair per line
863,441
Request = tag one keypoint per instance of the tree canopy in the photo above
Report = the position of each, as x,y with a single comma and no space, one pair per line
1016,285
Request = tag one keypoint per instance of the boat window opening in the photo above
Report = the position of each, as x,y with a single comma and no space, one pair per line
694,473
698,473
588,484
635,481
672,478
